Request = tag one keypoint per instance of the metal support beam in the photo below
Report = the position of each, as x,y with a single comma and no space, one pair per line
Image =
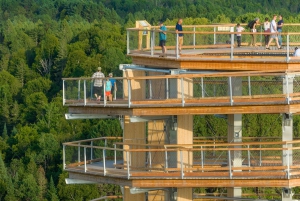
87,116
78,181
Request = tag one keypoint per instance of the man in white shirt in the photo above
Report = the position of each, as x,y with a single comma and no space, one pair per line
297,52
274,33
239,28
98,83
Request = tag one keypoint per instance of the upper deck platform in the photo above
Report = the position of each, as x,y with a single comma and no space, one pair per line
213,47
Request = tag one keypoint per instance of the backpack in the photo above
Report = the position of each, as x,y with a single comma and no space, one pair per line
250,24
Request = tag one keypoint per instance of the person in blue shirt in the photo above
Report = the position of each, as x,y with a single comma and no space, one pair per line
162,38
179,29
113,85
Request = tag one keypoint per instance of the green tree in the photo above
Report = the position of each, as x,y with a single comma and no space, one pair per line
52,192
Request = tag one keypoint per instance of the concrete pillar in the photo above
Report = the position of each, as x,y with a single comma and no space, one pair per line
287,194
287,122
235,135
287,135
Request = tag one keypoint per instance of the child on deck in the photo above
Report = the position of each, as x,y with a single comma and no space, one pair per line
108,89
239,28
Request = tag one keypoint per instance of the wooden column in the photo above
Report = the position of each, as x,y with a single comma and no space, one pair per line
185,136
156,130
134,132
130,197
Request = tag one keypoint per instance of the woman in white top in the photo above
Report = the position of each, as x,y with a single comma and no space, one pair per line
267,28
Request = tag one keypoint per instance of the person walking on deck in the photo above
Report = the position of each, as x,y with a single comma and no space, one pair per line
98,83
279,29
273,33
179,29
162,38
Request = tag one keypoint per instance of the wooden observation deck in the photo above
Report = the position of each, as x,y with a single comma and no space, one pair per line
208,77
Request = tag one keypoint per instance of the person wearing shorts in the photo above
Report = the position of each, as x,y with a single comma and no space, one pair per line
179,29
108,89
162,38
273,33
98,83
113,85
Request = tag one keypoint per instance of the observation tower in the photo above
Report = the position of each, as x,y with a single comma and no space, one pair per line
158,157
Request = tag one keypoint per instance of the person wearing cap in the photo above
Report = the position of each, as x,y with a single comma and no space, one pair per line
113,84
98,83
253,29
162,38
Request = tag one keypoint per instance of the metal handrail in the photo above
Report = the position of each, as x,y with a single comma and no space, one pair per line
285,153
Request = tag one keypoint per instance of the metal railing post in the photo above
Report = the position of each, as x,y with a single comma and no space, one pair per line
150,89
181,164
182,92
129,93
232,43
64,93
64,156
128,171
215,41
167,88
249,85
287,89
194,37
288,161
202,159
78,91
202,88
84,152
230,91
177,48
84,91
150,160
166,159
105,145
152,42
91,151
128,48
115,157
104,164
260,156
104,94
288,48
79,152
92,89
249,162
229,163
